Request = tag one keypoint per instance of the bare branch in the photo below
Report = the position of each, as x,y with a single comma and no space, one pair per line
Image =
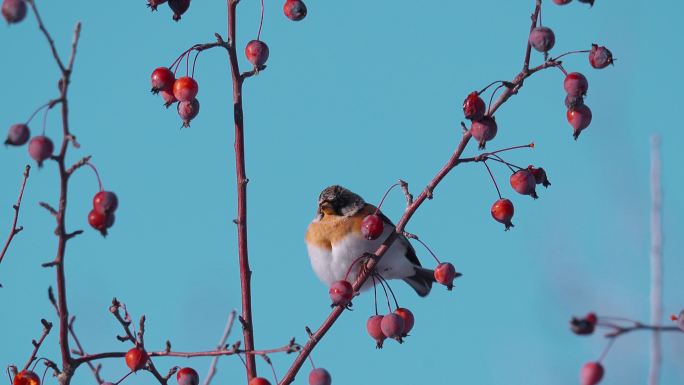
16,229
222,341
47,326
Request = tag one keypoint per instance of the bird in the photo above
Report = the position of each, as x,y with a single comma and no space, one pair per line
334,242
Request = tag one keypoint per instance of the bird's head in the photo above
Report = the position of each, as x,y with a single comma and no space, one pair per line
337,200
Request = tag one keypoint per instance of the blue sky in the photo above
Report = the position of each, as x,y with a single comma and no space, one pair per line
358,95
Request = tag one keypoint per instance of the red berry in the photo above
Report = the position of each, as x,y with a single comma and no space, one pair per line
320,376
474,107
168,97
484,130
591,374
153,4
136,358
26,377
257,52
341,292
14,11
162,80
40,148
524,182
576,84
185,89
105,202
373,326
372,227
584,326
445,273
542,39
502,212
539,176
187,376
408,319
579,119
591,318
573,102
188,111
600,57
259,381
101,221
295,10
392,326
18,135
562,2
179,7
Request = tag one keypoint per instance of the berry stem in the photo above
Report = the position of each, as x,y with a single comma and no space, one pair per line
352,265
500,160
489,85
37,111
97,174
311,362
491,98
606,350
268,361
45,112
261,21
413,236
394,297
493,180
531,145
385,196
569,53
123,378
382,284
194,62
375,294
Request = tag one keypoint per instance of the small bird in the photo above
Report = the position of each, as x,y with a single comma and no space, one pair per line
334,241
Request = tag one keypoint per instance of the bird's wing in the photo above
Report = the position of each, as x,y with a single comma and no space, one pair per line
410,251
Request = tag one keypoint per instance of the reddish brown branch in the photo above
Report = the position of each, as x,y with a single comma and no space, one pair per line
16,229
224,337
618,330
47,326
81,352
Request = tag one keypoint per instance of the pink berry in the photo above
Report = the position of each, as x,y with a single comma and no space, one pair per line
187,376
524,182
562,2
445,273
136,359
373,326
257,53
185,89
188,111
392,326
576,84
591,373
18,135
162,80
502,212
372,227
14,11
579,119
168,97
179,7
105,202
542,39
320,376
101,222
153,4
259,381
341,292
573,102
295,10
408,319
40,148
484,130
474,107
600,57
539,176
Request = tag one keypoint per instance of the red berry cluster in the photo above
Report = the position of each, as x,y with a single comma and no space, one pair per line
101,217
178,7
395,325
182,91
14,11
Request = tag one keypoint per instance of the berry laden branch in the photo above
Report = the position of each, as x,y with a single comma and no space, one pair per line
15,230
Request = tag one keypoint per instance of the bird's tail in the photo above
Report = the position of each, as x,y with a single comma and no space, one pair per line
422,281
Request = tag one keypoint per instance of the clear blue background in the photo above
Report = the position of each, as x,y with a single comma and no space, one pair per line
359,94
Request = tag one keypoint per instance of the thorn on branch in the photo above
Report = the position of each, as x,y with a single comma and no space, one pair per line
168,346
50,264
407,193
49,208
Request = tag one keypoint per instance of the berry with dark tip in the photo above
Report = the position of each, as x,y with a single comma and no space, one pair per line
319,376
591,374
162,80
572,102
539,176
474,107
542,39
257,53
502,212
40,148
600,57
392,326
179,7
295,10
26,377
18,135
524,182
483,130
14,11
579,119
136,358
153,4
576,84
188,111
168,97
445,273
584,326
187,376
408,319
341,292
185,89
372,227
590,2
105,202
373,326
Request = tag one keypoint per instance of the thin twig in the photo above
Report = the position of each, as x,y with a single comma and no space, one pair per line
224,337
16,229
47,326
81,352
656,261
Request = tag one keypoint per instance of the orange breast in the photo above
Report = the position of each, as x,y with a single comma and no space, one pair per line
332,228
